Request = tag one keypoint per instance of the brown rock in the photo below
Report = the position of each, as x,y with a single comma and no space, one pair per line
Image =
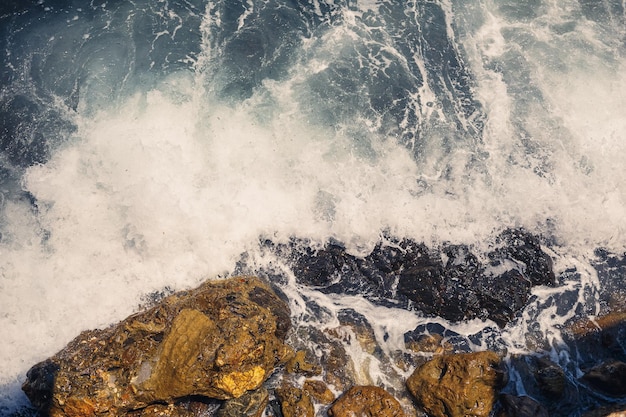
319,391
301,365
366,401
458,385
295,402
218,341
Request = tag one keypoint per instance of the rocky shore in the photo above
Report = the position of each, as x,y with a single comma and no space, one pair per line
229,347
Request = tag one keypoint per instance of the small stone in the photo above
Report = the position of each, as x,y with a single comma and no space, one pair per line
366,401
295,402
250,404
319,391
524,406
299,364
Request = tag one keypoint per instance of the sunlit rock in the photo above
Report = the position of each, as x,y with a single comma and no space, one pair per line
217,341
458,385
366,401
294,402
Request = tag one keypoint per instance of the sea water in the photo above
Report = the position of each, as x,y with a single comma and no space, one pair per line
149,145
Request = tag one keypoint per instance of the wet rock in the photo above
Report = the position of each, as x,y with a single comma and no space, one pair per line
295,402
366,401
524,406
181,409
430,343
319,391
301,365
458,385
608,377
548,383
217,341
250,404
450,282
337,369
524,247
550,378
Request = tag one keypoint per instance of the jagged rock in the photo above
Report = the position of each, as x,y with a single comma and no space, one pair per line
458,385
295,402
432,343
336,366
548,383
217,341
366,401
523,406
523,247
550,378
450,282
319,391
250,404
608,377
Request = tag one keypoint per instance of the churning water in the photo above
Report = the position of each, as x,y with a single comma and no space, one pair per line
149,144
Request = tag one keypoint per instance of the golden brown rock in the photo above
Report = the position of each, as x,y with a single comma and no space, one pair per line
366,401
458,385
319,391
218,341
294,402
300,364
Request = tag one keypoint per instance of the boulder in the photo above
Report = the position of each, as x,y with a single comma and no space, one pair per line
366,401
458,385
217,341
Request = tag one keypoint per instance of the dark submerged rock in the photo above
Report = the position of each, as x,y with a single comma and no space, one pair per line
524,406
450,282
608,377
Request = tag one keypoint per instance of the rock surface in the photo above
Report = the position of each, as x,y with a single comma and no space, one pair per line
450,282
521,407
294,402
217,341
458,385
366,401
608,377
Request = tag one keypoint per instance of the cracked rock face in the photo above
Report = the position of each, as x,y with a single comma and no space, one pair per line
218,341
